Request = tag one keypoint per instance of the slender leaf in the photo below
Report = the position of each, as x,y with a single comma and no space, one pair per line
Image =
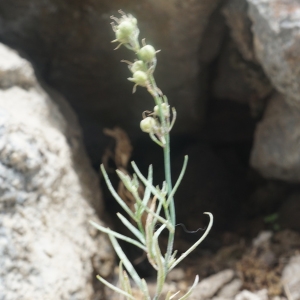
119,236
133,229
174,295
115,194
161,275
127,284
126,180
191,289
185,254
159,231
147,192
186,158
126,262
149,236
153,190
111,286
145,290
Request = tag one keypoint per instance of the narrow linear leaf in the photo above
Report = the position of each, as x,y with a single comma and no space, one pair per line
111,286
168,295
115,194
125,179
186,158
119,236
153,190
185,254
161,275
149,236
145,290
191,289
121,276
159,231
133,229
149,211
172,259
174,116
174,295
129,267
147,193
127,284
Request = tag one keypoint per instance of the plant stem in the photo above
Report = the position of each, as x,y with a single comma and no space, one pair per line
167,167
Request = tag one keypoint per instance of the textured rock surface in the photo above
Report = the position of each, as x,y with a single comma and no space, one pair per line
275,152
277,42
69,42
291,278
239,76
230,289
47,248
277,45
208,287
247,295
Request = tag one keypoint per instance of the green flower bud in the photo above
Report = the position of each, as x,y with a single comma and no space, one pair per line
138,65
140,78
148,124
147,53
125,30
165,109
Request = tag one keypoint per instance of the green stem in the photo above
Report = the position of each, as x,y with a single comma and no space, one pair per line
172,206
167,166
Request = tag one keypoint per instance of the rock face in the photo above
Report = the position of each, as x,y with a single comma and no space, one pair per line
69,42
291,277
276,143
208,287
277,42
47,248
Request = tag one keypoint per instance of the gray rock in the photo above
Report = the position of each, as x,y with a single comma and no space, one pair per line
276,31
235,12
291,278
48,250
209,286
275,152
247,295
231,289
239,75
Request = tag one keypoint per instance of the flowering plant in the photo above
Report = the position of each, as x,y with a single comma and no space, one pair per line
157,203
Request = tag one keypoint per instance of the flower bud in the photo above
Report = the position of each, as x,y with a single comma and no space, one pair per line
138,65
165,109
140,78
147,53
148,124
125,30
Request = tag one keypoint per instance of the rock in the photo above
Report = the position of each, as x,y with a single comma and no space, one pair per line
277,43
239,75
209,286
48,250
76,57
235,12
291,278
247,295
262,239
176,274
275,151
230,289
15,71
